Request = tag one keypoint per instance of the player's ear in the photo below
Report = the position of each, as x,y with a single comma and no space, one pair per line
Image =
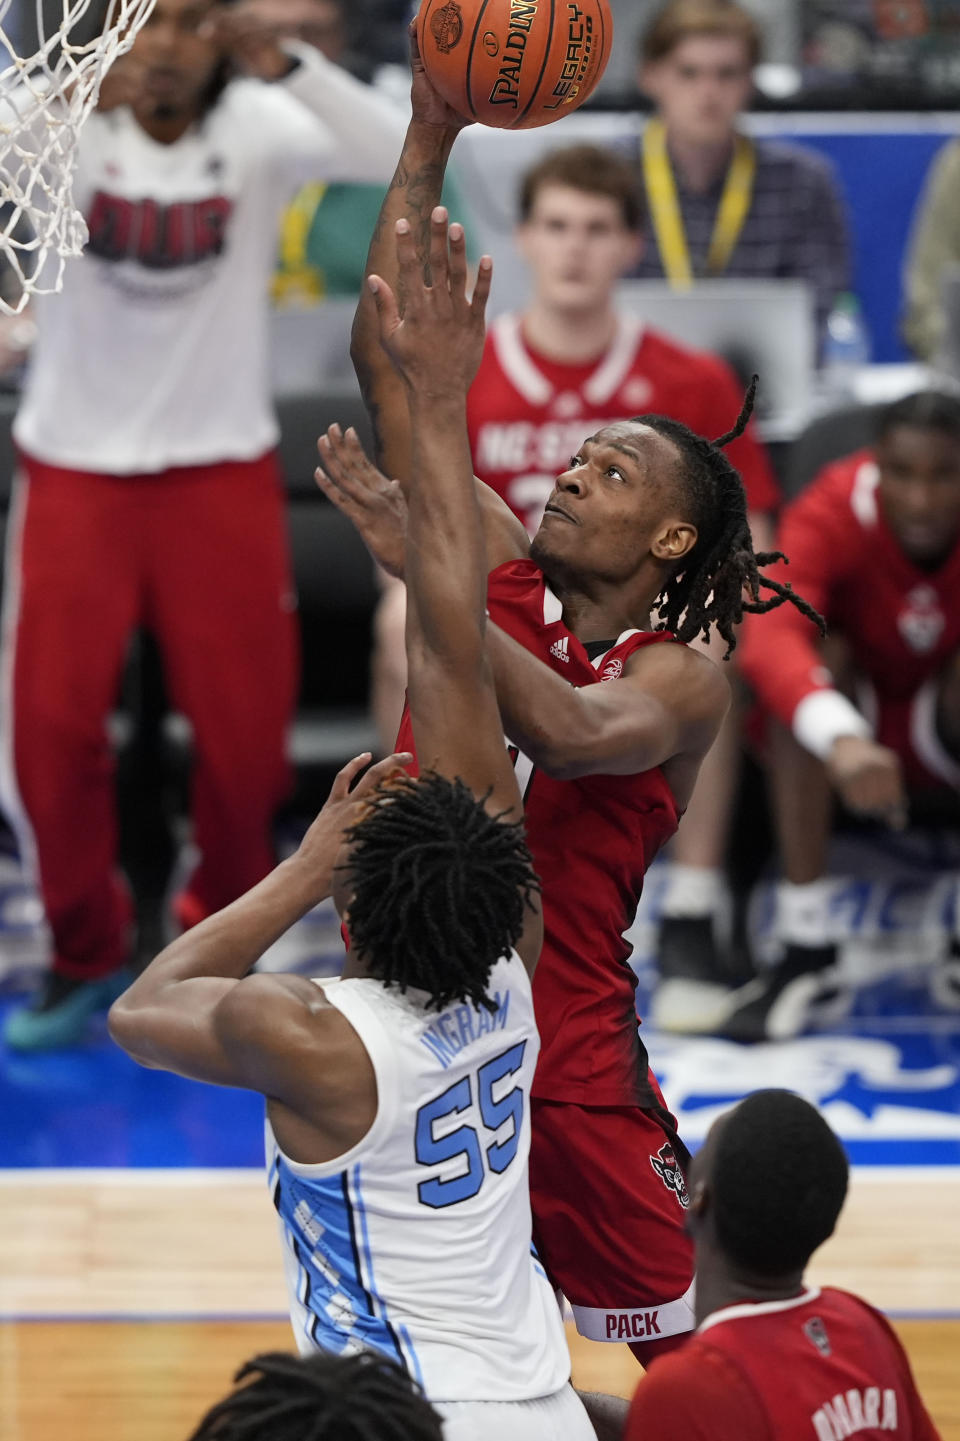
674,540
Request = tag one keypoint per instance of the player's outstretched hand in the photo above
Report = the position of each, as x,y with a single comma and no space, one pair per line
343,808
374,504
428,107
869,779
436,342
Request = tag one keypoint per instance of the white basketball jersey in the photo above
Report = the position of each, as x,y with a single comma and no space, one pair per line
417,1242
156,353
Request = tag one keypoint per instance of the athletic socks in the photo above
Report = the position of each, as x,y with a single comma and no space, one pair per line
803,914
692,892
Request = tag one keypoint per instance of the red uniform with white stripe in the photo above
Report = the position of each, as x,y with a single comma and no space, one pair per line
822,1366
902,623
608,1194
527,414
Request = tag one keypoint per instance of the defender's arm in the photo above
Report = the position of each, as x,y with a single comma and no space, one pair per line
436,348
197,1012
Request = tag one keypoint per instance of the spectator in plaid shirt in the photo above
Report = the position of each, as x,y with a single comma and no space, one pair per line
719,203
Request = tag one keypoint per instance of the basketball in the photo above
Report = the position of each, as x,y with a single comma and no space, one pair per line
515,64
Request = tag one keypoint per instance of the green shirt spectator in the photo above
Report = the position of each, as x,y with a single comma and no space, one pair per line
324,236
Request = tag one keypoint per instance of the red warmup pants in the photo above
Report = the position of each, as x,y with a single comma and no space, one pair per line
199,556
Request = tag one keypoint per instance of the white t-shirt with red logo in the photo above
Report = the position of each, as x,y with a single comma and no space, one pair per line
156,352
528,414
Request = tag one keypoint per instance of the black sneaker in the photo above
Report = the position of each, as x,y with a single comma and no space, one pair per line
783,1001
690,997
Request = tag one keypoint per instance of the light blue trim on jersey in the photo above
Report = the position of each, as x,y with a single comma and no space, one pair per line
402,1337
325,1236
415,1359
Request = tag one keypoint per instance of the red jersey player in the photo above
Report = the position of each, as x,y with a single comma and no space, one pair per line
610,723
771,1357
566,366
874,543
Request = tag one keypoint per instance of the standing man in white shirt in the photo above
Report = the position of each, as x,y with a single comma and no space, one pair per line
149,492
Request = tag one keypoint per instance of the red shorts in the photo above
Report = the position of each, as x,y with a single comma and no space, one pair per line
609,1203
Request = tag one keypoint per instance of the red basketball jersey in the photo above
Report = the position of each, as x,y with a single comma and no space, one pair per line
592,840
817,1368
527,415
901,623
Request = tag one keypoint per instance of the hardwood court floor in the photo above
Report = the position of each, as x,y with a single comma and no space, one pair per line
151,1381
162,1252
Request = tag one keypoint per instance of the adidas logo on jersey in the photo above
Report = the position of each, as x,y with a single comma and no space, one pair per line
559,649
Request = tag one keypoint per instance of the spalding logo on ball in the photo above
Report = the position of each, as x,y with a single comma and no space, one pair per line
515,64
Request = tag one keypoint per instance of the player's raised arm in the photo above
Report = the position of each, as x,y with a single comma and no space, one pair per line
413,194
175,1015
436,349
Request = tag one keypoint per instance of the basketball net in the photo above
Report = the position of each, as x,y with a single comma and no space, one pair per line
44,100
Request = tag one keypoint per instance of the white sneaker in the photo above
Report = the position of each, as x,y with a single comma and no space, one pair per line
690,1007
944,981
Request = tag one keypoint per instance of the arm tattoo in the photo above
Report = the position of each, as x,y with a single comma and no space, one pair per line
423,187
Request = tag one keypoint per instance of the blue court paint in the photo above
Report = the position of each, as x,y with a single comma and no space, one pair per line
889,1083
892,1095
93,1106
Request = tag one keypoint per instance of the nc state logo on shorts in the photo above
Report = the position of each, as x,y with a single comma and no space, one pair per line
668,1169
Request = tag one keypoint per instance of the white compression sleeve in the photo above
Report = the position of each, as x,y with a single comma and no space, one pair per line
822,717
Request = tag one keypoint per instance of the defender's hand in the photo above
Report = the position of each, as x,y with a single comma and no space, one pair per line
373,503
342,809
869,779
437,342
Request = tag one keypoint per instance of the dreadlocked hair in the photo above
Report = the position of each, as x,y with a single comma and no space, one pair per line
707,587
440,886
321,1397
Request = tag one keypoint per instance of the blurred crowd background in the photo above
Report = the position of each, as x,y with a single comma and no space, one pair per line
810,150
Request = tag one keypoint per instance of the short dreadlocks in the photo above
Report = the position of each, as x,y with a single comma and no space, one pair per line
321,1397
707,587
440,886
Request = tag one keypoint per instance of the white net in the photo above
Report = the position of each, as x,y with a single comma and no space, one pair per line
45,97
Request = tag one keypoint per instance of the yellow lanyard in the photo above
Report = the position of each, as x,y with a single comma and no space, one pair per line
295,280
665,207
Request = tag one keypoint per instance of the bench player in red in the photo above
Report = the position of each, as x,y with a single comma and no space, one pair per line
610,722
772,1357
874,543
